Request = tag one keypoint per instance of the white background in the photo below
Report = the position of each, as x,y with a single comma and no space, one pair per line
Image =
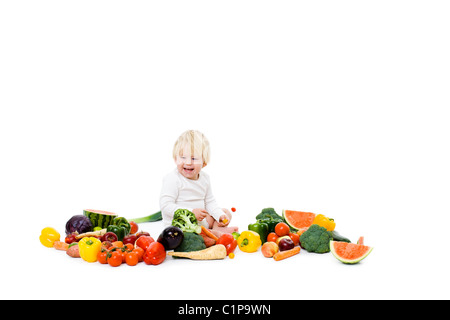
334,107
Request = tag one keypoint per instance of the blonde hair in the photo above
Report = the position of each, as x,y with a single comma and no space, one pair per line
194,142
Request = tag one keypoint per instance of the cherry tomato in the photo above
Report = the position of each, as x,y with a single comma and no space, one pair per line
102,256
140,253
124,252
131,258
281,229
272,237
134,227
114,258
233,209
155,254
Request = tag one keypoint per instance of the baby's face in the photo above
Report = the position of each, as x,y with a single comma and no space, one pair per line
189,166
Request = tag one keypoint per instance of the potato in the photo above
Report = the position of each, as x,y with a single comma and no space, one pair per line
74,251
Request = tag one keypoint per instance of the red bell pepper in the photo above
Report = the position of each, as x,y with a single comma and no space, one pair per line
228,241
144,242
155,253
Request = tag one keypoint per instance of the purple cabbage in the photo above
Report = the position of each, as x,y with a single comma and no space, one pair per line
78,223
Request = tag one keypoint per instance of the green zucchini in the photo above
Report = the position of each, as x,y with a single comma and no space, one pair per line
337,237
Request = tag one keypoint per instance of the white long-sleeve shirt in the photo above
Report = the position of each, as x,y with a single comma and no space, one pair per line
179,192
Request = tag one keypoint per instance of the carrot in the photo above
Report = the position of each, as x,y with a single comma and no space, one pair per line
208,241
286,254
209,233
59,245
217,251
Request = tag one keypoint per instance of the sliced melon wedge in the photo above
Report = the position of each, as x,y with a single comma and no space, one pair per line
349,253
298,219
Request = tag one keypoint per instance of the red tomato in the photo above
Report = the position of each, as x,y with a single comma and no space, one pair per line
295,238
124,252
282,229
132,258
129,246
102,256
134,227
144,242
114,258
272,237
155,254
140,253
233,209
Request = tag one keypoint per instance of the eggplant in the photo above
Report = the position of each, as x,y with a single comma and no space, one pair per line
171,237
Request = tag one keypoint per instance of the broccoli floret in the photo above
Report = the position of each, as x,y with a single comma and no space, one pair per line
191,242
269,213
316,239
186,221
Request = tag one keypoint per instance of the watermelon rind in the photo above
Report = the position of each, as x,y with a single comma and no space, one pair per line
347,261
290,223
100,218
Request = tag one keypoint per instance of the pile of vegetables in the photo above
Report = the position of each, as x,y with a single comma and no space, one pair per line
199,243
265,223
278,240
120,242
109,239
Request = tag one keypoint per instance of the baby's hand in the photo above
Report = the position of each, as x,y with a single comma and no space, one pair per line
224,220
200,214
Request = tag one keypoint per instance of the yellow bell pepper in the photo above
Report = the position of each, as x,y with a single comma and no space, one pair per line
249,241
89,248
49,236
325,222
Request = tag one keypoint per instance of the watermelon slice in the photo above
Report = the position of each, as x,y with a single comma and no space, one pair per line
349,253
360,240
100,218
298,219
